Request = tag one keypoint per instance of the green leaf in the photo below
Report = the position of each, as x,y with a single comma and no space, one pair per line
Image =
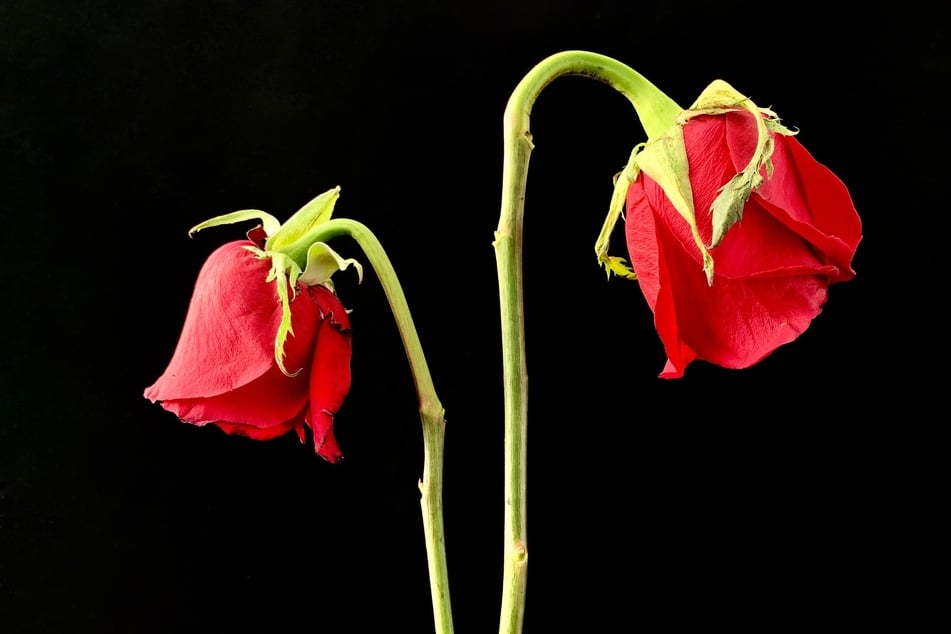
270,223
323,262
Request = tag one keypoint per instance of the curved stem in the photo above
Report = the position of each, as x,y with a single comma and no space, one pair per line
657,113
430,411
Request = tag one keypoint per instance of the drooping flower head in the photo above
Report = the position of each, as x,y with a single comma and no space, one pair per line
734,232
265,348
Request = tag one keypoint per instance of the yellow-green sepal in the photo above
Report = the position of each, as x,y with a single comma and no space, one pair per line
284,274
665,161
296,235
270,224
323,262
618,266
622,181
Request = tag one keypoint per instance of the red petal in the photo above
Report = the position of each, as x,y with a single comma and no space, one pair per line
653,277
270,400
330,373
736,322
642,240
802,194
820,208
758,244
227,340
710,168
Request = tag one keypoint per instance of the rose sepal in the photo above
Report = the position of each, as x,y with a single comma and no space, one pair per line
297,234
622,180
269,223
323,262
295,255
664,160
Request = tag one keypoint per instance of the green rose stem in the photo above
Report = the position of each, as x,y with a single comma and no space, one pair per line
657,113
430,411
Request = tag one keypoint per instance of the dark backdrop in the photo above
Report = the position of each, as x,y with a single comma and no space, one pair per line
807,493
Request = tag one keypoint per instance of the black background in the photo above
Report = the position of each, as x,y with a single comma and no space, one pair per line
805,494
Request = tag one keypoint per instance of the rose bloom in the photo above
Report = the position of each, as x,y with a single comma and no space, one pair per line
798,234
223,371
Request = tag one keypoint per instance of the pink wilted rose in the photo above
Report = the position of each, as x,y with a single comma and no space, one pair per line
262,351
773,228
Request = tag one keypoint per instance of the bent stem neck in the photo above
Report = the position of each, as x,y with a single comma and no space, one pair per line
656,112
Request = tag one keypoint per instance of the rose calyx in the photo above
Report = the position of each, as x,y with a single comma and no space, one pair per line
296,256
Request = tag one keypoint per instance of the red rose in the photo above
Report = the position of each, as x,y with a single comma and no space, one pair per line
224,369
798,233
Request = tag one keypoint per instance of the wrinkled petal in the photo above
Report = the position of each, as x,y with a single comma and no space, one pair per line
267,433
823,213
227,341
802,194
330,372
642,241
736,322
268,401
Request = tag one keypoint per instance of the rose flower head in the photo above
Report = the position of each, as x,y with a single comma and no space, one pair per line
734,232
265,348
